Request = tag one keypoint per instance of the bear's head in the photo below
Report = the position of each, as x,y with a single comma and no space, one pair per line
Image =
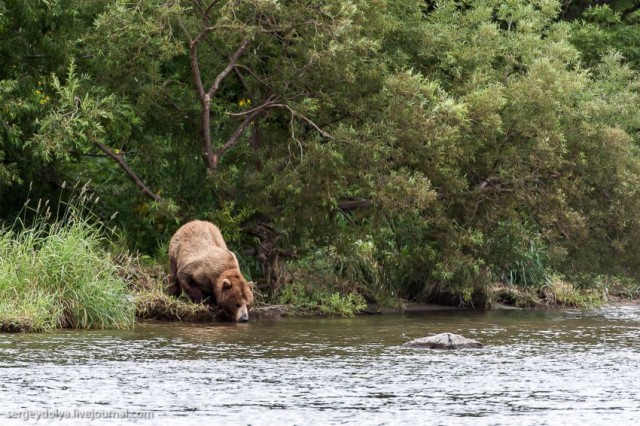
234,295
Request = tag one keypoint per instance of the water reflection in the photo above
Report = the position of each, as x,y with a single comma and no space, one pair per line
536,368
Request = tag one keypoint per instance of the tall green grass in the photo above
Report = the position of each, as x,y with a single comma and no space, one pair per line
59,275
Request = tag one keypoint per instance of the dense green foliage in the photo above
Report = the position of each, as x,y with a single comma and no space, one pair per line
609,27
408,147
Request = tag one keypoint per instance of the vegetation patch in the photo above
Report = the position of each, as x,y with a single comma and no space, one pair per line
560,293
315,285
59,275
556,293
305,301
160,306
16,324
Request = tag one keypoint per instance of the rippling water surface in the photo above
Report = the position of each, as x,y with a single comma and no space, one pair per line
565,367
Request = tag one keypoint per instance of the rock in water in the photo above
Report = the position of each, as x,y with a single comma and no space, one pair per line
444,341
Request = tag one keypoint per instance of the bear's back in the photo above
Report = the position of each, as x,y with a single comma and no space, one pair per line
210,263
199,241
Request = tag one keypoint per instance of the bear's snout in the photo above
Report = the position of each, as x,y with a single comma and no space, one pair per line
242,315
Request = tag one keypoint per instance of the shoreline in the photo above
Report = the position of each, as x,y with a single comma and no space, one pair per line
270,312
157,306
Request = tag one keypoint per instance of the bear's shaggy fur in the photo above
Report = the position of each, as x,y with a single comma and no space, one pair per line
201,265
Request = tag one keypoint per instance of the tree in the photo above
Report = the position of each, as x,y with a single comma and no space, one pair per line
603,28
418,145
37,39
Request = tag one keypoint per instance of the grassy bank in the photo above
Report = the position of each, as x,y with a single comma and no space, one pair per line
60,276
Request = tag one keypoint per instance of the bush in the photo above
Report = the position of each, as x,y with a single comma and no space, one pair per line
315,285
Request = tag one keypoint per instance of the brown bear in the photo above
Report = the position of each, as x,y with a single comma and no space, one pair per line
201,265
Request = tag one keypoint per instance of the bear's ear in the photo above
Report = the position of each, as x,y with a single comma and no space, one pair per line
226,284
251,284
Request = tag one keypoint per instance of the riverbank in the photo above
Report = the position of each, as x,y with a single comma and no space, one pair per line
73,283
155,305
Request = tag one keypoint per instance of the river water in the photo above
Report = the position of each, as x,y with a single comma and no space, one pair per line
552,367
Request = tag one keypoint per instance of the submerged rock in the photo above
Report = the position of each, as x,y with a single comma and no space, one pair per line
444,341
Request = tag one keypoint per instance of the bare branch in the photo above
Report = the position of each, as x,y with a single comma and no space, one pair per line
124,166
253,75
205,97
205,100
195,65
251,117
211,156
304,118
271,100
235,136
232,63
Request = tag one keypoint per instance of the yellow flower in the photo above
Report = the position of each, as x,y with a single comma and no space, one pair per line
241,103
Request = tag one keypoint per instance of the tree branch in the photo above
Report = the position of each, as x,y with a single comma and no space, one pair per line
232,63
240,66
205,97
235,136
205,101
271,100
195,65
252,114
124,166
304,118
